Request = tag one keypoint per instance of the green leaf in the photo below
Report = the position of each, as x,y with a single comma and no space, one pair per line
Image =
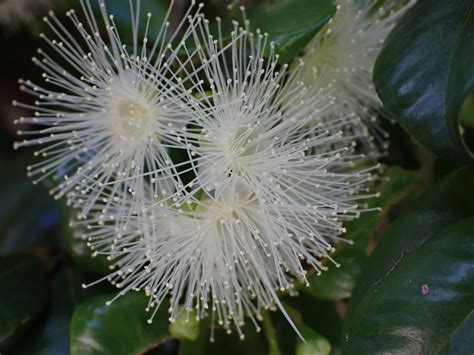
118,328
338,283
321,316
223,343
77,247
467,112
123,18
446,202
291,24
462,341
27,212
426,71
85,260
421,301
306,313
265,341
315,344
23,296
51,335
198,346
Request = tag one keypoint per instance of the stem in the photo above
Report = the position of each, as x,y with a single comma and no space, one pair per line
270,334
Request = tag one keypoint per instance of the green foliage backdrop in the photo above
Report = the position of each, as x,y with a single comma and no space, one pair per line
406,285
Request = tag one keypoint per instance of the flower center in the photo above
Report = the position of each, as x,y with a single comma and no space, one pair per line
130,120
238,145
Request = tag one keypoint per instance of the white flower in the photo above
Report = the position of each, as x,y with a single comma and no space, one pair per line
270,193
14,13
214,257
105,121
267,127
342,57
226,254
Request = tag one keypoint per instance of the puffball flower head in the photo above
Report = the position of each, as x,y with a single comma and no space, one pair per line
266,126
14,13
268,199
342,57
105,119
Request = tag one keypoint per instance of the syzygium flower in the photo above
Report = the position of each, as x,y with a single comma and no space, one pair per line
215,256
342,57
273,184
105,119
266,126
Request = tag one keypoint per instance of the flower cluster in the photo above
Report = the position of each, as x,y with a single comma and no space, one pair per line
342,57
206,171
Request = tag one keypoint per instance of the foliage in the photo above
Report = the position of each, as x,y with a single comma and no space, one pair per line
405,285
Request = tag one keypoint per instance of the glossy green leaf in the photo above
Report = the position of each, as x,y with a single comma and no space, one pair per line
123,18
426,71
321,316
315,344
85,260
421,301
291,24
23,296
462,341
81,254
27,213
231,344
467,112
51,334
446,202
338,283
219,342
276,336
198,346
118,328
316,316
